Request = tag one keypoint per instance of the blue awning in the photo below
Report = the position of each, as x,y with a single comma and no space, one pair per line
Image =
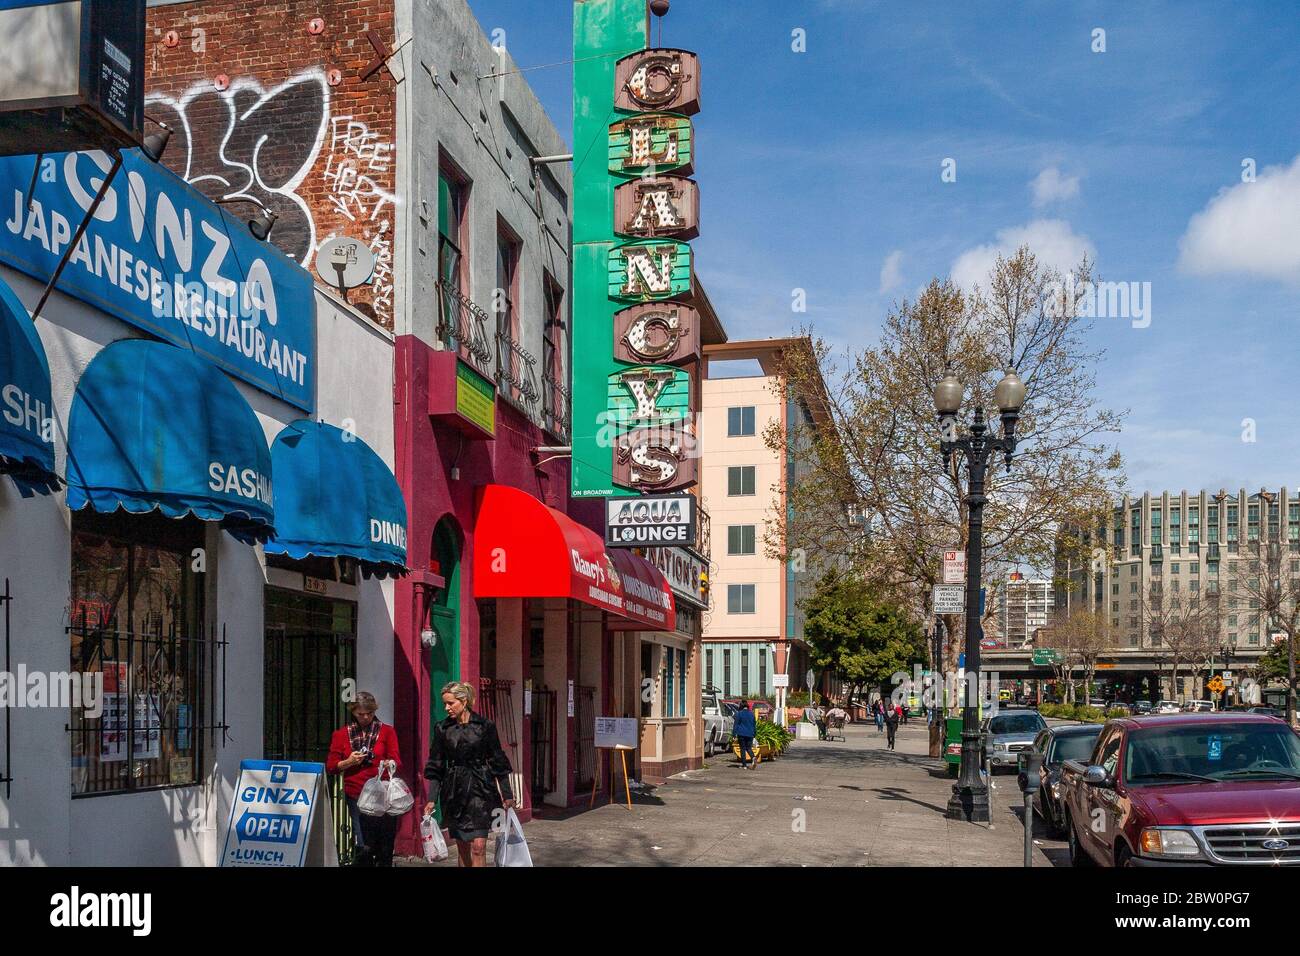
154,426
336,499
26,440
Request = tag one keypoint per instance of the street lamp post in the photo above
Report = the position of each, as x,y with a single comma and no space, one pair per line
970,795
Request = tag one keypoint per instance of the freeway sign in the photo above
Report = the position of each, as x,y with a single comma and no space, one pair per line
1045,657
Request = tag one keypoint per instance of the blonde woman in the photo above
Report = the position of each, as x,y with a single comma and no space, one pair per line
470,771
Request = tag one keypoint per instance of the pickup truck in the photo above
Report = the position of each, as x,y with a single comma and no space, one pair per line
1186,790
717,723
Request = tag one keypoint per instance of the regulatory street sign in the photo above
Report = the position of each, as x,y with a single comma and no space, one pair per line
949,598
780,680
954,567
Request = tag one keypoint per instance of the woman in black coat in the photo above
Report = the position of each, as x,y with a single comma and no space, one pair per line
470,771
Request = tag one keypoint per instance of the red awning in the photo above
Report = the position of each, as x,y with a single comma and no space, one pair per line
523,548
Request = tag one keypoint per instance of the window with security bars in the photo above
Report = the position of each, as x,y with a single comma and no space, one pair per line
740,539
136,630
744,672
740,480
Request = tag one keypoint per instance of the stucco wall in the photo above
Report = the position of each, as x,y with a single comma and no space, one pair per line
41,823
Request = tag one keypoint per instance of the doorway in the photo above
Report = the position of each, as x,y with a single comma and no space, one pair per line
310,651
444,618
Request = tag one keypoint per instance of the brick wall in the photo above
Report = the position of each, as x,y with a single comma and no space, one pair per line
261,106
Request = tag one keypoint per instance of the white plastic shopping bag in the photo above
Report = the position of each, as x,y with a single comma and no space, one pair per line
512,848
435,847
400,799
377,795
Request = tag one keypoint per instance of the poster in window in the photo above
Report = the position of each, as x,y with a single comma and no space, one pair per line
113,728
148,728
113,722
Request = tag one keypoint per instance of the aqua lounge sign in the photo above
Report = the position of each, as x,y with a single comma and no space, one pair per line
161,256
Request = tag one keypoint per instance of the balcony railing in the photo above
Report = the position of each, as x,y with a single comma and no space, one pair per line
464,327
704,539
555,407
517,376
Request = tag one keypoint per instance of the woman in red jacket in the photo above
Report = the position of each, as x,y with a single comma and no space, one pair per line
356,751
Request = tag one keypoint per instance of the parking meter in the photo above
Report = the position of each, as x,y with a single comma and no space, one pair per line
1030,777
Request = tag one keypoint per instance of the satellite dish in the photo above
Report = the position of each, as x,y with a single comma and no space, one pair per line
344,262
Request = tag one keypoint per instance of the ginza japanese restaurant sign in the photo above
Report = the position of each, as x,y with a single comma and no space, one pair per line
649,521
271,816
954,567
159,255
949,598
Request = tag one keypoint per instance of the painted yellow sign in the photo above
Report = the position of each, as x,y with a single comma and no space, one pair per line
475,398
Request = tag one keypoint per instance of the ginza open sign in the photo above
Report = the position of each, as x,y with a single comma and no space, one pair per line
649,520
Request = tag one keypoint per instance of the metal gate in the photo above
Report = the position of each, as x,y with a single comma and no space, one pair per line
584,739
544,738
311,648
496,703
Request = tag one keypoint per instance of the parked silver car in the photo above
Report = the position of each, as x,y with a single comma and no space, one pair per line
1009,733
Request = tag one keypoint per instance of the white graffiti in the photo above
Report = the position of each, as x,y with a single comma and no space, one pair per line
266,143
356,157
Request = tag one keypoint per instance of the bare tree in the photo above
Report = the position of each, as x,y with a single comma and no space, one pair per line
1080,637
881,462
1275,597
1183,628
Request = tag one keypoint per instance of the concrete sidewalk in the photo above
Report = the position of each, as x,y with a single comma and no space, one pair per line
851,803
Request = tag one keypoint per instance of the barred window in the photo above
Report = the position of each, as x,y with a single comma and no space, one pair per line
136,625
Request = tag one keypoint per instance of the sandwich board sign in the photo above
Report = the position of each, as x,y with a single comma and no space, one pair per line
619,733
280,816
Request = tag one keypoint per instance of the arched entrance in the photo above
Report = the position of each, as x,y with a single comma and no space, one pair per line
444,616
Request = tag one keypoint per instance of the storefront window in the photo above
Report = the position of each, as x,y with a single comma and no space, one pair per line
670,685
681,683
136,619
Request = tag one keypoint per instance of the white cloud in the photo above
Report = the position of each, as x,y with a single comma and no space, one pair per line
1052,240
1250,228
1051,185
890,273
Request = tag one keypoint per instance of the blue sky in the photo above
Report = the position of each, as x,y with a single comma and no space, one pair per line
821,170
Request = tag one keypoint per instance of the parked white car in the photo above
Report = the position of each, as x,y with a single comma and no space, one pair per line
1168,707
718,722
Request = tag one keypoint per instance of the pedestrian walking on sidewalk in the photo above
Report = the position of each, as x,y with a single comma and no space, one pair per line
744,730
470,771
902,712
891,724
357,751
879,710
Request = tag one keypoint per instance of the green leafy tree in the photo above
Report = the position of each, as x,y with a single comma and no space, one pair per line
857,633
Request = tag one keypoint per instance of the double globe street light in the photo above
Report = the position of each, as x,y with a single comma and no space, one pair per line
970,794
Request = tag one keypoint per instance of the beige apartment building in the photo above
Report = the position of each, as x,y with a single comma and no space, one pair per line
754,630
1180,550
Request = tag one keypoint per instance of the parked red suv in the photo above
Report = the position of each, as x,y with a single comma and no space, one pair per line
1186,789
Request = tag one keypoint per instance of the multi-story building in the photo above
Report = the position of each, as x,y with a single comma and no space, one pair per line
1024,606
1175,552
755,629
